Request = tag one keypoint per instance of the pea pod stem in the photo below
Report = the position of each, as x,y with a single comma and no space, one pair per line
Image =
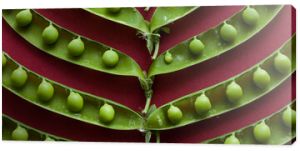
156,49
157,136
148,102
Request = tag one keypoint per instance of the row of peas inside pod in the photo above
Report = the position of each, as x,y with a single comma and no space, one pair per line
45,92
238,91
234,92
227,32
278,128
15,130
74,101
76,47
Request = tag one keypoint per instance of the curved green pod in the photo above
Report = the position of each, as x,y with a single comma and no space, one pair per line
214,45
280,134
126,16
9,125
93,51
87,110
165,15
217,94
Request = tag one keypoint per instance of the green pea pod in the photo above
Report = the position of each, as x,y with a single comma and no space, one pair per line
213,44
279,132
71,103
10,124
130,17
165,15
221,102
91,57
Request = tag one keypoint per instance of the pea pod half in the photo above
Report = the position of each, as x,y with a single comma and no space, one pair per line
215,41
225,96
273,125
15,130
165,15
71,103
63,44
128,16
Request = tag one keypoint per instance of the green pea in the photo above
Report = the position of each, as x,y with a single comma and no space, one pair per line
4,60
75,102
196,46
106,113
262,132
110,58
234,92
45,91
228,33
76,47
174,114
114,10
18,77
261,78
50,35
289,117
232,140
20,134
168,57
250,16
24,18
202,104
282,63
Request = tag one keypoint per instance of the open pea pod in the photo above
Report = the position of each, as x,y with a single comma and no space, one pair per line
128,16
228,95
165,15
15,130
280,132
58,43
210,44
65,101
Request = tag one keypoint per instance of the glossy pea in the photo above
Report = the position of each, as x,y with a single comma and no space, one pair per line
261,78
24,18
76,47
50,35
106,113
174,114
202,104
18,77
262,132
168,58
114,10
282,63
289,117
232,139
20,134
110,58
250,16
75,102
228,33
4,60
196,46
234,92
45,91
